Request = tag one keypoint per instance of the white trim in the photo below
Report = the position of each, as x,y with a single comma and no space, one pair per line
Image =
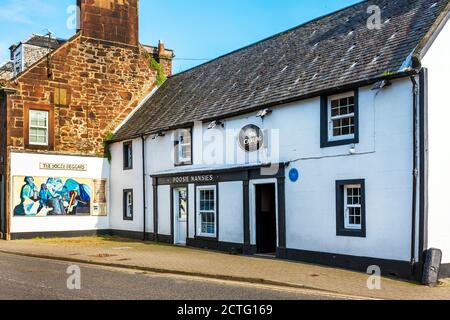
38,127
347,224
330,118
199,221
180,133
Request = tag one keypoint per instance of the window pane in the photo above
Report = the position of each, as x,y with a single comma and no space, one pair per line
341,108
128,155
38,128
207,223
207,212
351,100
129,205
184,146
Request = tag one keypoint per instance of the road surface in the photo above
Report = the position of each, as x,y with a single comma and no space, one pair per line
42,279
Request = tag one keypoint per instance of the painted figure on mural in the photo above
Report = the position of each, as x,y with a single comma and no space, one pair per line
55,197
28,196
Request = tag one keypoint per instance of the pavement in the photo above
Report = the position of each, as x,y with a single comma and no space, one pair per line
27,278
172,260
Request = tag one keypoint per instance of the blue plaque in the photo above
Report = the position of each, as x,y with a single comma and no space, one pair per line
294,175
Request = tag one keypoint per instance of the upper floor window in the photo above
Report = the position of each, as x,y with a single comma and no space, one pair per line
128,155
39,126
183,147
339,117
38,130
350,208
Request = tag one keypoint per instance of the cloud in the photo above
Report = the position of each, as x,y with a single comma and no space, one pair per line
24,11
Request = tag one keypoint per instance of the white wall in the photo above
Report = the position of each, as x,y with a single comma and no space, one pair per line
128,179
383,158
231,212
437,62
27,164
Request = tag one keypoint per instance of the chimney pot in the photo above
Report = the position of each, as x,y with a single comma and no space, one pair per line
161,48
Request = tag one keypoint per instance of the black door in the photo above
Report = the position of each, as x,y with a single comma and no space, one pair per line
266,221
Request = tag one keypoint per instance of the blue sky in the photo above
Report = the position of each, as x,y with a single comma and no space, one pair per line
195,29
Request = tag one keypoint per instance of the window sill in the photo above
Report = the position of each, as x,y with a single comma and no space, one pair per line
183,164
206,237
45,147
351,233
335,143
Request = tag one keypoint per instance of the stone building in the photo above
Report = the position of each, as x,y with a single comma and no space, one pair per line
6,71
59,111
26,53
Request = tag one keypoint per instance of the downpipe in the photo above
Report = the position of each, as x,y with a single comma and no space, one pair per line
415,175
143,138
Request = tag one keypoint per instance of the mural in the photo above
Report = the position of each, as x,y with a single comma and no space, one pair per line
41,197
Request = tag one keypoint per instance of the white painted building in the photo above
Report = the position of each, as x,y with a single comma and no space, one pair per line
325,144
354,186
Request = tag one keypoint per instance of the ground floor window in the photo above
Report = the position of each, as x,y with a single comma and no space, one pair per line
350,208
128,204
206,211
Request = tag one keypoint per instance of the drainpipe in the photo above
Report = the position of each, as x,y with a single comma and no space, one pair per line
144,189
415,175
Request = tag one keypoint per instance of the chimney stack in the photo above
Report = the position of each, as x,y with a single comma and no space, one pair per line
110,20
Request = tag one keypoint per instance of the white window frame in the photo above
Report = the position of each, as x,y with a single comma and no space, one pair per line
199,212
331,136
180,159
30,126
347,206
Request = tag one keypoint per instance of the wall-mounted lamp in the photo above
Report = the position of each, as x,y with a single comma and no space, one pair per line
159,134
352,149
263,113
216,124
381,84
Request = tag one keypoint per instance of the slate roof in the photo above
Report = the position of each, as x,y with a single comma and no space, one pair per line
43,41
6,71
7,67
335,50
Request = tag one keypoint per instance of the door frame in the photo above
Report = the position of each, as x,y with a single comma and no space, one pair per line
253,227
172,212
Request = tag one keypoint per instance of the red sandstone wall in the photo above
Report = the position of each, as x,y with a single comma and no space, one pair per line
89,85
